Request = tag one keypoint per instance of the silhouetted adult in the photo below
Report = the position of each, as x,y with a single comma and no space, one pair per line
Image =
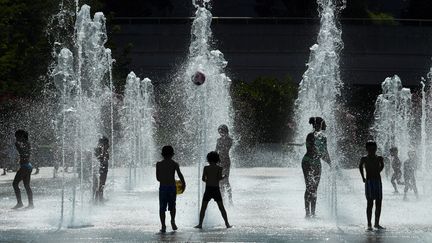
223,146
316,150
22,144
102,155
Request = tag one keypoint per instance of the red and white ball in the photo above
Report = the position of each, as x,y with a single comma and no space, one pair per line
198,78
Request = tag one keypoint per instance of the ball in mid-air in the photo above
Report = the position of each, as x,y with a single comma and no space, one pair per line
198,78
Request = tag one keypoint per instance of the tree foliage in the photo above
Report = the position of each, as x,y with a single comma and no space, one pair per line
263,109
23,46
26,48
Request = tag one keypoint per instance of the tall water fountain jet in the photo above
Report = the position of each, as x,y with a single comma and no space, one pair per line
320,87
137,126
84,89
392,118
205,106
64,79
425,132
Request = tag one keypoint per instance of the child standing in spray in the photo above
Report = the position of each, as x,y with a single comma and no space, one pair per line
22,144
212,175
373,187
165,174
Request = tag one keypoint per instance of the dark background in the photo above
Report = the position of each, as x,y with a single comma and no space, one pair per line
266,54
25,47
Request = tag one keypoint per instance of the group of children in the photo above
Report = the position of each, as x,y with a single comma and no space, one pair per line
409,170
24,172
213,175
165,174
216,176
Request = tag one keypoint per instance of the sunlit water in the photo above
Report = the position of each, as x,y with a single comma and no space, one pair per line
319,91
392,117
267,201
137,145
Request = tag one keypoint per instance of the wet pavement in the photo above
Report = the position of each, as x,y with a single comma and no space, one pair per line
267,208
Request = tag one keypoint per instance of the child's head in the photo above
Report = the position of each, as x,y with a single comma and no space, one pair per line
21,136
213,157
394,151
411,154
223,130
371,147
318,123
104,141
167,152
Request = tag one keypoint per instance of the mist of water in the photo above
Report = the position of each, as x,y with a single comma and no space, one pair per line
320,88
425,132
83,78
392,118
201,109
137,144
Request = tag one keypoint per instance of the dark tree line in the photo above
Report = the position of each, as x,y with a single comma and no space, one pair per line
25,49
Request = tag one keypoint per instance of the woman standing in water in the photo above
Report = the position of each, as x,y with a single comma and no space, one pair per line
223,146
316,150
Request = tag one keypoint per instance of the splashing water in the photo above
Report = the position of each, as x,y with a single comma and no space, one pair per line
201,108
84,82
392,117
321,83
137,126
207,105
425,145
320,87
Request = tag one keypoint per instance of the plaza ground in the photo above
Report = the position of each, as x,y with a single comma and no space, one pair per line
268,207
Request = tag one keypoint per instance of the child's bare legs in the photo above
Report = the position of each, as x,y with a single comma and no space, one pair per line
393,182
173,214
202,214
226,189
407,186
414,186
378,203
224,214
369,213
204,208
162,219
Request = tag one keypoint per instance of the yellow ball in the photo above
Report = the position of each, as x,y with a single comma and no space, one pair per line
179,185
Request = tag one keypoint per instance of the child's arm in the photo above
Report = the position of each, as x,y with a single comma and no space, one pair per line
220,176
157,172
310,143
180,175
326,156
381,162
361,169
204,175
